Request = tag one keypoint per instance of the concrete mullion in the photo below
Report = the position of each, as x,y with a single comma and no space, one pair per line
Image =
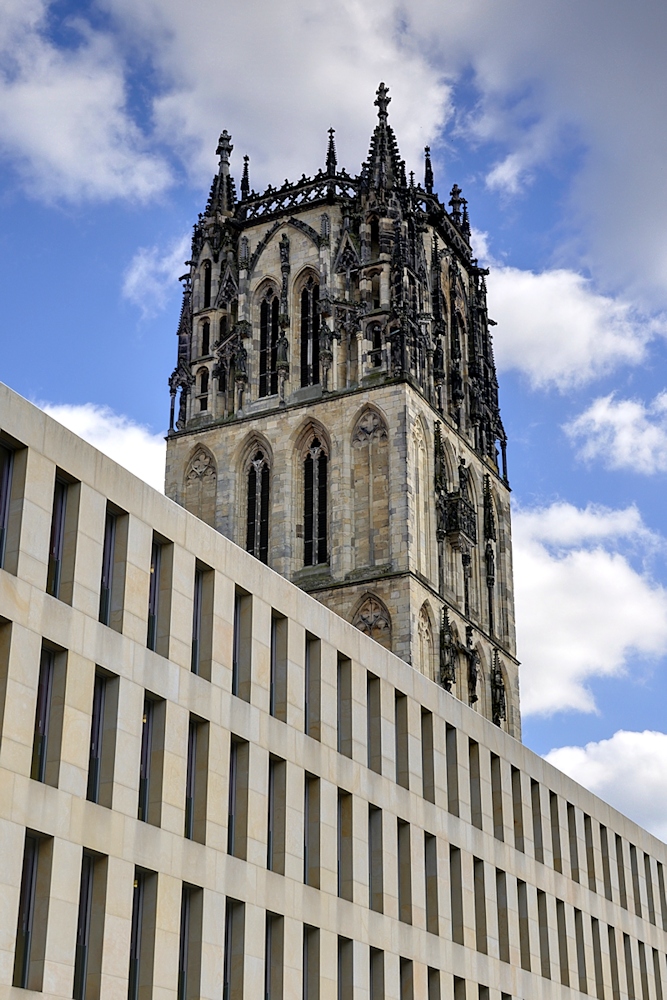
359,736
296,675
253,950
439,762
125,795
418,880
392,976
12,836
33,549
534,929
328,837
258,785
360,850
513,922
463,757
62,918
88,561
528,839
328,695
387,724
552,931
444,897
485,789
137,578
468,894
18,725
117,927
414,745
223,632
419,981
294,819
218,788
328,966
361,969
390,864
75,742
174,764
292,958
261,654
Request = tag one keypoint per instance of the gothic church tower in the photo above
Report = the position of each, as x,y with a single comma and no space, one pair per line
335,409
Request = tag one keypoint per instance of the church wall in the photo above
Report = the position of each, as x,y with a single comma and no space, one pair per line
536,879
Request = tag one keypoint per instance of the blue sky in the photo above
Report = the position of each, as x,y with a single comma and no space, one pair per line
551,117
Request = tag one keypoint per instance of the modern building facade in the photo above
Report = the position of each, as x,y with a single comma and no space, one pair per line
335,409
213,786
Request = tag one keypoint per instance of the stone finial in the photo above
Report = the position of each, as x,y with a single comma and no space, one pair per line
245,180
331,154
428,170
224,151
382,102
455,202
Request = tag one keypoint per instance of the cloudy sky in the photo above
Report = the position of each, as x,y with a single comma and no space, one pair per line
550,115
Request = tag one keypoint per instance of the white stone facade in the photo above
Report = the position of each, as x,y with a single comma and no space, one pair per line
388,841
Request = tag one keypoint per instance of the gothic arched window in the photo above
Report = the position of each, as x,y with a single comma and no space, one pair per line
310,333
205,337
257,531
370,477
206,274
268,340
315,504
202,389
375,336
372,618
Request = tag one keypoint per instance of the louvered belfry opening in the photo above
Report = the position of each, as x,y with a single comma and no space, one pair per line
315,505
310,334
257,535
268,341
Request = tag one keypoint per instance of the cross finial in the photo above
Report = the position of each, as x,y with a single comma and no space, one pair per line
245,180
331,154
382,101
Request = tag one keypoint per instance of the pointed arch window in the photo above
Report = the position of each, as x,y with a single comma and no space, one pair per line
205,337
310,333
315,469
375,238
206,271
268,341
257,533
202,393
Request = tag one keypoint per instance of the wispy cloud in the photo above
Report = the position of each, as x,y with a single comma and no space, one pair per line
132,445
624,434
582,608
152,275
629,771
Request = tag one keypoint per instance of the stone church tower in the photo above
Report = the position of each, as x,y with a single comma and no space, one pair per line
334,409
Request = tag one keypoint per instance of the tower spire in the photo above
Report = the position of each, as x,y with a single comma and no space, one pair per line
428,170
383,169
225,183
331,154
245,180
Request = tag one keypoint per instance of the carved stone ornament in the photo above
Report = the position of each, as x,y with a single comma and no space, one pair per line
201,466
447,653
498,697
370,427
372,618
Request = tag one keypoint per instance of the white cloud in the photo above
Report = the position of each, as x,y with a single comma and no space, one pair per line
629,771
152,275
582,608
623,433
558,331
130,444
64,121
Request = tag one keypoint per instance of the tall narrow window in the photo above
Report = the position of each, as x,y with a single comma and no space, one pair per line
90,926
159,596
503,916
202,621
189,950
563,955
524,925
196,780
375,860
33,913
613,961
102,739
237,820
555,832
480,905
373,723
428,768
311,831
344,706
311,963
205,337
543,926
273,957
313,685
5,490
431,879
634,869
57,541
574,847
404,872
202,388
48,717
257,529
344,845
434,992
401,734
150,768
310,334
206,273
233,961
268,344
406,979
456,892
536,806
345,968
497,798
107,566
242,651
452,770
278,682
142,934
629,971
590,854
315,504
606,867
475,784
517,808
377,975
620,868
275,843
581,951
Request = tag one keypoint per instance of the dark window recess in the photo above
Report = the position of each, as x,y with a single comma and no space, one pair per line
26,919
190,780
197,620
205,337
310,334
232,965
146,754
154,595
83,926
142,934
257,534
57,541
108,553
315,505
268,345
96,737
5,490
44,719
206,267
